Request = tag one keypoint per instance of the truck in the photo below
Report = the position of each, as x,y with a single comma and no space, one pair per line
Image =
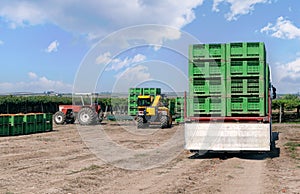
228,106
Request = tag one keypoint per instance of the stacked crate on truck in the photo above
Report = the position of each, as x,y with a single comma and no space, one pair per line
229,98
133,97
246,79
207,80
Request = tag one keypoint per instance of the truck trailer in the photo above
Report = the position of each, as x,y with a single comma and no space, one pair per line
228,106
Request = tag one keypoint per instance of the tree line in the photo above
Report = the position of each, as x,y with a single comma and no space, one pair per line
49,104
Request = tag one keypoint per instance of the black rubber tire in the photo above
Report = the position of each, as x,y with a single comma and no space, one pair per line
140,122
164,122
59,118
87,116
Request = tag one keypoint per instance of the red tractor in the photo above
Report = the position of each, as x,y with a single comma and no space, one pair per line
85,110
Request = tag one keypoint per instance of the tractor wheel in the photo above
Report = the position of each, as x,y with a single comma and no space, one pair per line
140,122
87,116
164,122
59,118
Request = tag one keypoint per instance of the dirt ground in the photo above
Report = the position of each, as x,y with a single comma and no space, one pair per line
61,162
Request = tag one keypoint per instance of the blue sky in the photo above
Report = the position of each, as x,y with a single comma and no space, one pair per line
100,45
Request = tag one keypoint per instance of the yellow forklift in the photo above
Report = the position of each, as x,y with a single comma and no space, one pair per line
152,111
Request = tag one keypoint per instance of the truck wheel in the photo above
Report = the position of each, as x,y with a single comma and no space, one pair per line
87,116
140,122
164,122
59,118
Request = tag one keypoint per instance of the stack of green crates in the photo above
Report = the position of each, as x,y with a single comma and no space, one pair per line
4,125
29,123
16,124
228,79
247,90
133,97
207,73
179,109
48,122
22,124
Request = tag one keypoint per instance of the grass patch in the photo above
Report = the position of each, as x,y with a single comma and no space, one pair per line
90,168
45,139
292,147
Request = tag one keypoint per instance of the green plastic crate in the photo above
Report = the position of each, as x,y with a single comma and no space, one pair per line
133,98
39,117
151,91
40,127
4,130
48,116
4,119
16,119
16,129
205,69
208,87
135,91
29,118
246,86
246,50
245,68
207,51
48,126
246,106
208,106
29,128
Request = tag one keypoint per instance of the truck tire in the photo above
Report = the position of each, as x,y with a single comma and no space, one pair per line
164,122
140,122
87,116
59,118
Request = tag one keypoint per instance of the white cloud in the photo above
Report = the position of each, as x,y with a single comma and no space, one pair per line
76,16
1,42
103,59
41,85
238,7
22,13
287,76
283,29
115,64
36,84
53,46
32,75
132,76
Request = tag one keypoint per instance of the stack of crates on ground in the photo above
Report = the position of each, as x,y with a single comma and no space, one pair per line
133,97
228,80
179,109
22,124
171,106
4,125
